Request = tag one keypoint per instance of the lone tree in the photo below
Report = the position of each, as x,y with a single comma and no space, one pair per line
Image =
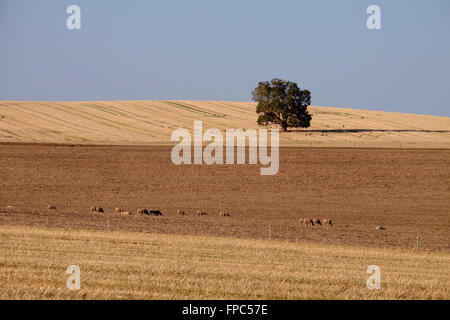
283,103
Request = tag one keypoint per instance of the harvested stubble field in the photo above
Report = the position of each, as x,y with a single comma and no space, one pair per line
126,265
144,122
406,191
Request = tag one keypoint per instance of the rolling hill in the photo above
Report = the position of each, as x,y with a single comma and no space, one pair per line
152,122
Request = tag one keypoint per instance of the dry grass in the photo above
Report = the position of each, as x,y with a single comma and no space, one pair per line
152,122
121,265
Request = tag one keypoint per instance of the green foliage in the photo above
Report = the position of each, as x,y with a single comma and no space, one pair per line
283,103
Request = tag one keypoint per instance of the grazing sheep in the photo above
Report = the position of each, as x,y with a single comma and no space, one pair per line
155,213
51,207
118,210
126,213
181,213
143,211
306,221
201,213
223,214
380,228
327,221
317,221
96,209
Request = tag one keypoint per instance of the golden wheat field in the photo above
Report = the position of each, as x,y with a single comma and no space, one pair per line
152,122
33,263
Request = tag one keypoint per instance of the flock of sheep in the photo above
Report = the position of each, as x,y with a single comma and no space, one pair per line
315,221
148,212
181,213
95,209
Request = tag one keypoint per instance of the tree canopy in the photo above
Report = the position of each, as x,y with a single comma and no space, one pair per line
283,103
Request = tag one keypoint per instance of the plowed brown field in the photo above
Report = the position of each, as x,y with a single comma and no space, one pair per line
406,191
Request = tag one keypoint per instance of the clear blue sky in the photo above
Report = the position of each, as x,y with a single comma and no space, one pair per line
219,50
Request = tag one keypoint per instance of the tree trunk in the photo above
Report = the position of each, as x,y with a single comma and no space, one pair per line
284,126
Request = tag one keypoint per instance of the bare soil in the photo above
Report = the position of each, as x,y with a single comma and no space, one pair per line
405,190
